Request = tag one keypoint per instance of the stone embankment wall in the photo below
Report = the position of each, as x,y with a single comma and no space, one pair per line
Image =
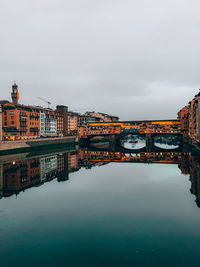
19,145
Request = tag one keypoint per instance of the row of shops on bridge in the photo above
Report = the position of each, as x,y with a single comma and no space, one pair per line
134,127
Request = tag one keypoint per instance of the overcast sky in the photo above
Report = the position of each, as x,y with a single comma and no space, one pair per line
137,59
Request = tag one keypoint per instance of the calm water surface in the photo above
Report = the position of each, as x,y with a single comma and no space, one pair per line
73,209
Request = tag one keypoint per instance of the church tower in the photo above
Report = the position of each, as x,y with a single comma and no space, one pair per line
15,94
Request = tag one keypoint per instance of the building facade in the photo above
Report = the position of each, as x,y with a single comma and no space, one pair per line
84,119
20,121
62,119
183,117
25,122
73,122
48,123
1,134
189,117
102,116
194,118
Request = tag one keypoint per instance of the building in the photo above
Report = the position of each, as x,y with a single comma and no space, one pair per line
20,121
24,122
102,116
62,119
183,117
1,123
84,119
73,122
48,122
194,118
189,117
15,94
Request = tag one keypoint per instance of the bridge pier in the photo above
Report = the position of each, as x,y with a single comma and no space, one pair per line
149,142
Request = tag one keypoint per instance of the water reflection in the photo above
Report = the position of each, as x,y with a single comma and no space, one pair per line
167,141
29,171
137,142
133,142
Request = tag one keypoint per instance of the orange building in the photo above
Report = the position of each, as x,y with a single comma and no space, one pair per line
19,120
1,122
73,121
194,118
25,122
183,117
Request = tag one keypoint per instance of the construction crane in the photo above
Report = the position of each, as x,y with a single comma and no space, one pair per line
49,103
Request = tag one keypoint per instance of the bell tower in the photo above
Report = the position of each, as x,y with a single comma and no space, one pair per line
15,94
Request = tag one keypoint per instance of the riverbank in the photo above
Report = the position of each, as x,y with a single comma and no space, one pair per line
14,147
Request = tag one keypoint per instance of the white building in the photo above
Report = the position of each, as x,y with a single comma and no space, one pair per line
48,124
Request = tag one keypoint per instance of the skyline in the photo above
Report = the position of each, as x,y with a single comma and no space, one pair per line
136,60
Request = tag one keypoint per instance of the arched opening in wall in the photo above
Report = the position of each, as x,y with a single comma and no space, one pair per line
126,130
167,141
133,142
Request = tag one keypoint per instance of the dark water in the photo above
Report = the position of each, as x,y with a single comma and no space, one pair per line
100,208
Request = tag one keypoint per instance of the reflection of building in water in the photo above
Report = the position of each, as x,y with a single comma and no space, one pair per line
18,175
1,180
191,165
73,163
62,167
184,164
48,167
195,179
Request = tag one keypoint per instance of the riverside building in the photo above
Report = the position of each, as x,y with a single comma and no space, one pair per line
19,121
189,117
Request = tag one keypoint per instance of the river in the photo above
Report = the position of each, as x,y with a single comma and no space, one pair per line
100,208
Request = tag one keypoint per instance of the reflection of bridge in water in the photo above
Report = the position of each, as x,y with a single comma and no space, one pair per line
141,157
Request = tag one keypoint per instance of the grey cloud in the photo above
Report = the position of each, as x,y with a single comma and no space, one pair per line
136,59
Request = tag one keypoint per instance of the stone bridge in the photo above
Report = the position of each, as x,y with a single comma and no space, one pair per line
117,130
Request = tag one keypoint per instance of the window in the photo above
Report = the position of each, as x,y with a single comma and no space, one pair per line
11,112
